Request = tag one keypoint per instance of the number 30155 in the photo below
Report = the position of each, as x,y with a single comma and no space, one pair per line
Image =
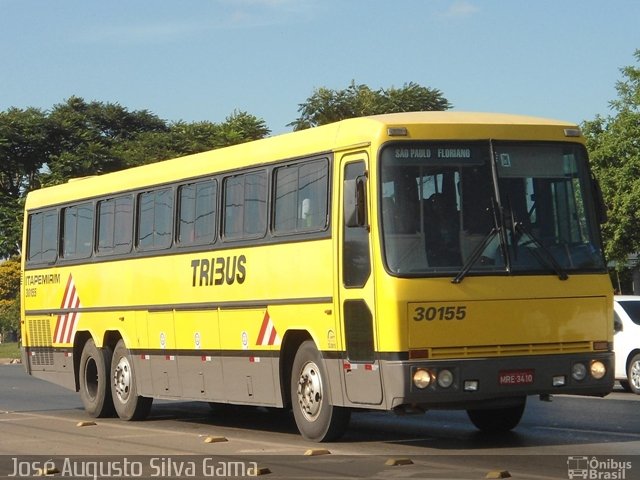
440,313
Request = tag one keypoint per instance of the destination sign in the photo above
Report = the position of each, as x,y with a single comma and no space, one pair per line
427,153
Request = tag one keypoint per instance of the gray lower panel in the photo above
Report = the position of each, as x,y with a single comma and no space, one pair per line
211,378
201,378
55,366
251,380
230,379
256,380
355,384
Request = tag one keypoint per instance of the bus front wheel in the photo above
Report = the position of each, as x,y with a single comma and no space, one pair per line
128,404
497,419
95,365
315,417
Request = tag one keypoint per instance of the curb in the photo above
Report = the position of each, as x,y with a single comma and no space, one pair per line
10,361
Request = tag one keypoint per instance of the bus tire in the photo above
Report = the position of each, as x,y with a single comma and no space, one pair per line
128,404
93,376
495,420
316,419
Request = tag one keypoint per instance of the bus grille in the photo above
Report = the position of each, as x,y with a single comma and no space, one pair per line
503,350
40,341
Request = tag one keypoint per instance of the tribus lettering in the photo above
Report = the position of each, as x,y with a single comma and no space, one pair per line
218,271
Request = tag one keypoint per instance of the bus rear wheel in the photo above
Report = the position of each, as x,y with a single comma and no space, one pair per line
315,417
128,404
95,392
497,420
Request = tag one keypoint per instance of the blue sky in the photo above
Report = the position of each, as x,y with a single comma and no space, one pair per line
198,60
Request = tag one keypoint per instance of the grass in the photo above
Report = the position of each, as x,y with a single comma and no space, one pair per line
10,350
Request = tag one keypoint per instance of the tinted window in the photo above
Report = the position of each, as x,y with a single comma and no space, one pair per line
301,193
115,224
43,237
633,310
439,205
356,262
358,325
197,216
77,231
155,214
617,323
245,206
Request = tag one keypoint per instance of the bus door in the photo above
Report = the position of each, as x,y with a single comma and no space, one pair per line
359,365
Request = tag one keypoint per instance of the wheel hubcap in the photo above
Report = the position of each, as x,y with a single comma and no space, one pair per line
310,391
122,379
634,378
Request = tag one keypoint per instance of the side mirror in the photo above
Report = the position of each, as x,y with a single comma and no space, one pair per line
355,202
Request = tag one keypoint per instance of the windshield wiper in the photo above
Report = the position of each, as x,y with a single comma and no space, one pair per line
497,230
475,255
547,259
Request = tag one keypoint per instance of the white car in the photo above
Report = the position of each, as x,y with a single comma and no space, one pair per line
626,341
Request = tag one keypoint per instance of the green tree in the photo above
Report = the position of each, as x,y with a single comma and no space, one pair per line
326,105
241,127
182,138
24,147
614,147
87,137
9,297
79,138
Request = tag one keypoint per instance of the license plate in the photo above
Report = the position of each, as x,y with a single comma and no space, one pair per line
516,377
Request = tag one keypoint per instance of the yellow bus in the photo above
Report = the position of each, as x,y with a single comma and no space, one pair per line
402,262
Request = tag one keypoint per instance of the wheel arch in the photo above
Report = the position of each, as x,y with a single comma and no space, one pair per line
109,339
632,354
79,341
288,348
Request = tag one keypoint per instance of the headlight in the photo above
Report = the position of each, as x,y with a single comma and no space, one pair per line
421,378
578,371
445,378
598,370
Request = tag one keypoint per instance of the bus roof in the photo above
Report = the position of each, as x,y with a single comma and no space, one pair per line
332,137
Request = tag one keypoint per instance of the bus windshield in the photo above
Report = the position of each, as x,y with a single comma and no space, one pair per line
487,207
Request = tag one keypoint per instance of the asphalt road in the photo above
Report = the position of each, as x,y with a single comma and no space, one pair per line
599,435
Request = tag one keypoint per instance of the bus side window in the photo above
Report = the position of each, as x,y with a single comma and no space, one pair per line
245,206
115,225
155,219
43,237
301,193
197,213
77,231
313,190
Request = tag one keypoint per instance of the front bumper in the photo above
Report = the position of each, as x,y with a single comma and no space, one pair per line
494,380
